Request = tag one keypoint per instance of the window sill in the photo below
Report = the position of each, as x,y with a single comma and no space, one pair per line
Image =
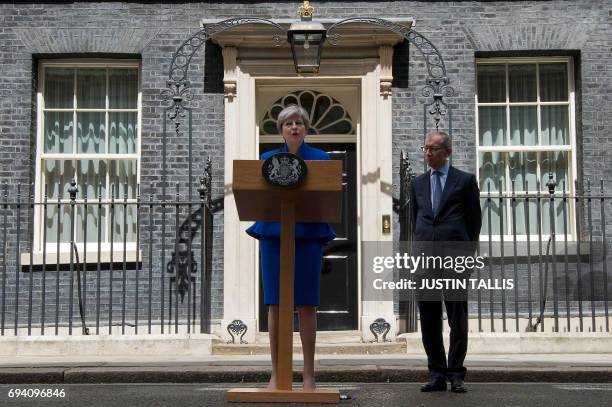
51,258
522,252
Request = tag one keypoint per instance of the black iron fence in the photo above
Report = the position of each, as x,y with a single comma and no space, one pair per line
552,244
143,264
126,265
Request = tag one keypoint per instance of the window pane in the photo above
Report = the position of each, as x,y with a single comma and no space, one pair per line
491,83
323,103
55,215
492,126
58,171
93,174
523,170
307,101
122,132
523,218
553,82
523,126
490,215
91,88
276,109
522,83
125,223
342,127
334,114
556,214
91,132
557,163
492,170
287,100
123,88
269,127
123,178
334,122
59,88
91,222
58,132
555,125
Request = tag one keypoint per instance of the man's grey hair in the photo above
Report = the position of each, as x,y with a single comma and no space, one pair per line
292,110
446,140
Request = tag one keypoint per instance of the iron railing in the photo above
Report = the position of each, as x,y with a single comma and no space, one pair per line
553,244
560,267
156,280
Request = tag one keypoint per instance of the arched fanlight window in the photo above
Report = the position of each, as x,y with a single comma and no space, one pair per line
327,115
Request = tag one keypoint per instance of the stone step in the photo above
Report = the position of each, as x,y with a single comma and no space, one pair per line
346,348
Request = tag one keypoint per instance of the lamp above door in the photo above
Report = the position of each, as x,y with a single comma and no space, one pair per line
306,38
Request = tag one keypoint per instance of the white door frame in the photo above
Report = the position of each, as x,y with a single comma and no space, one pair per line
242,76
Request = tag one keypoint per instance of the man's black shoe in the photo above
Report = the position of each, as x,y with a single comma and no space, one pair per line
458,386
434,385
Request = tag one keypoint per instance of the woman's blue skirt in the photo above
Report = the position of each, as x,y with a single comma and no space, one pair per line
307,277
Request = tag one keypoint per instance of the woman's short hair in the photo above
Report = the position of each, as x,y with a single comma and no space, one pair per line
287,112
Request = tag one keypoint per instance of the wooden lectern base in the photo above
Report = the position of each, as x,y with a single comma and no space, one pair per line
319,199
257,395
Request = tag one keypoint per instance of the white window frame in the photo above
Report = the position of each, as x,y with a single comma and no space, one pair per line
571,148
92,246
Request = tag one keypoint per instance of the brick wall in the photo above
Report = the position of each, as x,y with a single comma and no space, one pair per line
155,31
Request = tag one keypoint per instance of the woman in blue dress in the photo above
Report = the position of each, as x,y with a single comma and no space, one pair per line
293,123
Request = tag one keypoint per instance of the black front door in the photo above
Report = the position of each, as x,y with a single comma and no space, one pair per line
338,309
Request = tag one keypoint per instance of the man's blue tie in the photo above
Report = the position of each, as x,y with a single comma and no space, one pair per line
437,192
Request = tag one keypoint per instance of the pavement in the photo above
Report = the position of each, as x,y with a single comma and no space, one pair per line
352,394
388,368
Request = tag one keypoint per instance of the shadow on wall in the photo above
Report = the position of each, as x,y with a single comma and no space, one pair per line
213,68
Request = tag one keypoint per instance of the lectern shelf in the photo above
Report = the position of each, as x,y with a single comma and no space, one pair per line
318,199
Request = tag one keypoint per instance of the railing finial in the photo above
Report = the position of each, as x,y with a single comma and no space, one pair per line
551,184
202,189
73,190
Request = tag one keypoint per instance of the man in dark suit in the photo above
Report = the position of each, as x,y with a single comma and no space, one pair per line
446,208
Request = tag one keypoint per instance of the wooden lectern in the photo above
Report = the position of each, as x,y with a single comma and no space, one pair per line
318,199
